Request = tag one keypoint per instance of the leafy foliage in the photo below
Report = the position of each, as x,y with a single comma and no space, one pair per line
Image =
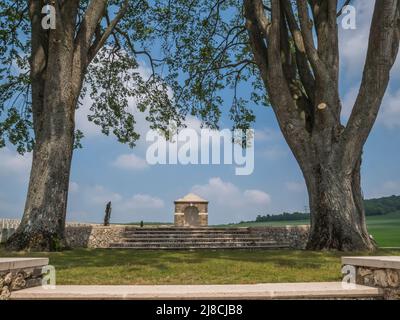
15,107
382,206
116,82
208,52
283,217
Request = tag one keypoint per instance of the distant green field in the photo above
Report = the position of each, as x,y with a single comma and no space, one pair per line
385,229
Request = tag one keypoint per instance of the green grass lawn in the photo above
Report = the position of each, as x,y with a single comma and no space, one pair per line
385,229
119,266
125,266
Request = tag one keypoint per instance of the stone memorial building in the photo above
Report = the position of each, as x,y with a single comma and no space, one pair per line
191,211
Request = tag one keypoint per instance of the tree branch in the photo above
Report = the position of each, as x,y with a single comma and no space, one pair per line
306,30
101,40
382,52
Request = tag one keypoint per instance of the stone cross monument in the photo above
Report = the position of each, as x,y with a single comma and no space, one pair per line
191,211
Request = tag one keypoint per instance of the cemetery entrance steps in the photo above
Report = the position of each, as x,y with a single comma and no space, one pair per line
194,238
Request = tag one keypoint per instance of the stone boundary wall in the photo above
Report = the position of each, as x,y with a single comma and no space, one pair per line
386,279
19,275
92,236
381,272
97,236
9,226
295,236
19,279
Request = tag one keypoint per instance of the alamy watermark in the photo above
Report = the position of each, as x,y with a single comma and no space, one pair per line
189,146
49,19
48,277
348,17
349,278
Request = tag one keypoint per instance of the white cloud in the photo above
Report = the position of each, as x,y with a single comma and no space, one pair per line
257,197
224,193
391,186
390,112
227,201
12,163
130,162
89,129
89,203
387,188
142,201
100,195
274,153
295,186
266,134
73,187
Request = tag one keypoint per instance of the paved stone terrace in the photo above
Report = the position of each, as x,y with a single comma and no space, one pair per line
268,291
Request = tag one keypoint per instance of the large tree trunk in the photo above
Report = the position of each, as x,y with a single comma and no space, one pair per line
54,97
43,223
337,211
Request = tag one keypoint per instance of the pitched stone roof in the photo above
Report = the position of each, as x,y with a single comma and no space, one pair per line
191,197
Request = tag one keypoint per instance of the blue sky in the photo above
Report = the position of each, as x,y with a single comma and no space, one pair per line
105,170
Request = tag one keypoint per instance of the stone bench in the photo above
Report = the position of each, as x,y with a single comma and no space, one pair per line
379,272
20,273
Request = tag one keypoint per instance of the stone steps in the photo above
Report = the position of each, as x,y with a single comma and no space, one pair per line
188,229
193,238
174,246
185,231
197,236
182,239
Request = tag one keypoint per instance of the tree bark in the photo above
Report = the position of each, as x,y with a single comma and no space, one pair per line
43,223
337,211
53,106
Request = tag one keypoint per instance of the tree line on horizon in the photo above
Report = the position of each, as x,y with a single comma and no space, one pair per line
373,207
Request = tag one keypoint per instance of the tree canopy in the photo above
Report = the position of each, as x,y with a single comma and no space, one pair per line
114,77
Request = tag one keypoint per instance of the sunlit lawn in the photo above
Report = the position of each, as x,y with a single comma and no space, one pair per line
125,266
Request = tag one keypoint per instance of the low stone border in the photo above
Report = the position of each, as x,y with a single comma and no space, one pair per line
379,272
20,273
295,236
97,236
93,236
